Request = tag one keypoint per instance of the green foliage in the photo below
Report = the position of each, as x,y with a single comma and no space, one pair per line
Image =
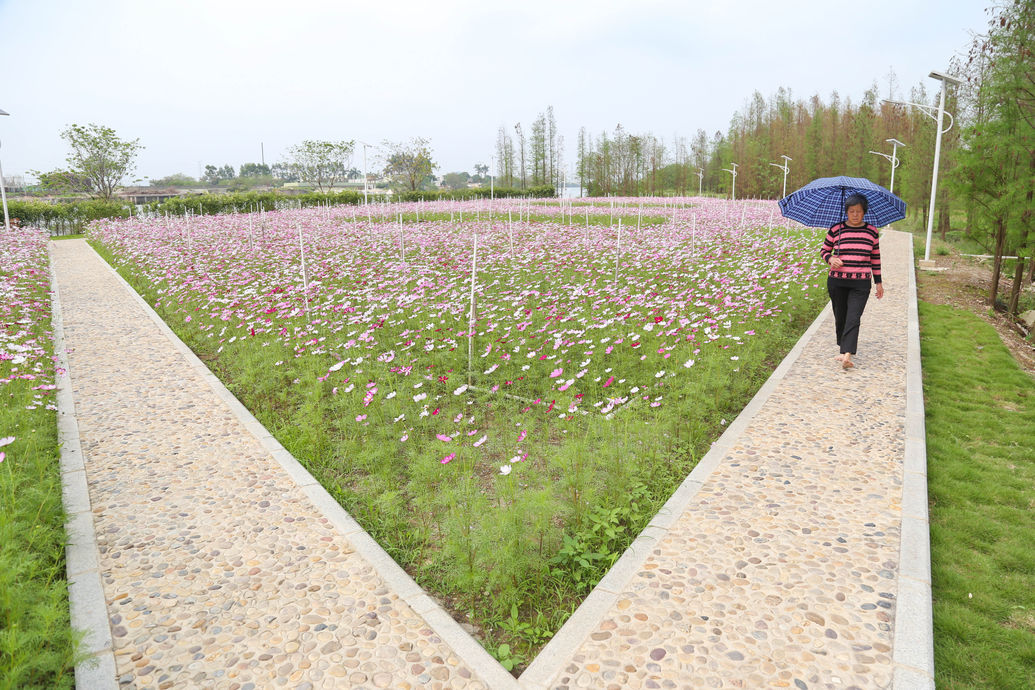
100,157
175,180
410,163
244,202
37,644
66,217
587,553
321,163
980,410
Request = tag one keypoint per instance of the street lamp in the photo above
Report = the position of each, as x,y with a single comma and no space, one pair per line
927,110
895,143
3,190
733,194
700,181
492,187
786,169
365,145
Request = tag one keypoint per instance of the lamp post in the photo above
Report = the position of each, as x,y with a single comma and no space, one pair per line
365,146
895,143
786,169
700,181
733,194
927,110
3,190
492,180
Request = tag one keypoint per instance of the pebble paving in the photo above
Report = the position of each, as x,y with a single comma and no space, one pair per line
217,570
782,571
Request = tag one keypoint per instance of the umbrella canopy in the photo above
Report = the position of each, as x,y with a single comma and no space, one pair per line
821,203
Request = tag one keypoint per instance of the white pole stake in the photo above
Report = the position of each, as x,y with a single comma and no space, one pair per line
402,242
470,321
305,276
618,251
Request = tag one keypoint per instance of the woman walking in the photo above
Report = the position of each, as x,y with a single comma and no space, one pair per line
852,249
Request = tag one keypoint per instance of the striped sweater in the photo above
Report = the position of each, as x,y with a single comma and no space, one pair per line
859,248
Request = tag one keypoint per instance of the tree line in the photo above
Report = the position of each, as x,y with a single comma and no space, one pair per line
99,160
987,167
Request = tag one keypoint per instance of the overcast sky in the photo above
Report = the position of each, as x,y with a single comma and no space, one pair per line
209,81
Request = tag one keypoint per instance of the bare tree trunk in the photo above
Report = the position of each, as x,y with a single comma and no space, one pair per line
1015,287
997,261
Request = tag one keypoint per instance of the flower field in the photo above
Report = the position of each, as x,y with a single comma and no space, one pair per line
502,393
37,645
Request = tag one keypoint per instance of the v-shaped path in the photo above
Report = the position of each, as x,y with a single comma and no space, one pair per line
202,555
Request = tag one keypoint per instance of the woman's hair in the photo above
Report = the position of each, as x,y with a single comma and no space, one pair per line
857,200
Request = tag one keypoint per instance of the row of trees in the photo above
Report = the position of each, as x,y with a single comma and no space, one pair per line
99,161
994,167
324,163
532,161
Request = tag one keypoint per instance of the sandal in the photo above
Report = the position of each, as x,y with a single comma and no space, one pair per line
847,364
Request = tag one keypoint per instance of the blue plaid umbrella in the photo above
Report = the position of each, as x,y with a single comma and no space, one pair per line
821,203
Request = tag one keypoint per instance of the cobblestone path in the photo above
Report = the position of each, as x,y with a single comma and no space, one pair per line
794,556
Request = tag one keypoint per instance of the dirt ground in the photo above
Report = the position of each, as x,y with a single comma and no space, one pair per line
965,284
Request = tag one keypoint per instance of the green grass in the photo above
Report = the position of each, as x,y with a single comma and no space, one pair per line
980,415
37,645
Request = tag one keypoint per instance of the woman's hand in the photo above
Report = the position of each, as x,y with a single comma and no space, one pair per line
836,263
880,290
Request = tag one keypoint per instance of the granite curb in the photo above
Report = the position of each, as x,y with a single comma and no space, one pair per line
913,654
590,613
448,630
87,608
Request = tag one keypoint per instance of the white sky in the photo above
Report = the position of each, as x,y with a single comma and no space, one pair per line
205,81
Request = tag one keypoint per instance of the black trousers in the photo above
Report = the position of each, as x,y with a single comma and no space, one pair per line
848,298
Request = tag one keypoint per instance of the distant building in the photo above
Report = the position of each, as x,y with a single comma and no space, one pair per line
147,195
15,184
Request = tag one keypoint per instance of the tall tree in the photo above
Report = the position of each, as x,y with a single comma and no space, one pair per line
996,167
321,163
99,159
522,165
410,163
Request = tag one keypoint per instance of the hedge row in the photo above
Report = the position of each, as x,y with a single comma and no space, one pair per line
65,217
208,204
71,217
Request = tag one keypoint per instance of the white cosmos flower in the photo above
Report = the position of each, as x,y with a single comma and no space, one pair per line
505,469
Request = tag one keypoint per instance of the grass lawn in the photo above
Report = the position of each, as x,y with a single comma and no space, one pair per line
980,415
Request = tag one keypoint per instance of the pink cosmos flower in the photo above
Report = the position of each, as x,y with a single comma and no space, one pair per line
446,459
